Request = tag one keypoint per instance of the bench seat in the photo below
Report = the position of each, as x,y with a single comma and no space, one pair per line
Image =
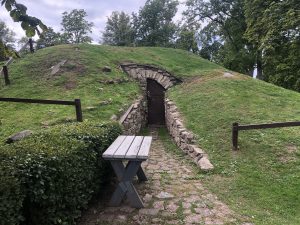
129,147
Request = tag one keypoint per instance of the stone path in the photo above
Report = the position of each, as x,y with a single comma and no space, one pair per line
171,196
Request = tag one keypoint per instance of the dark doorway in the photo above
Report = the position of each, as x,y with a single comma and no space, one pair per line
156,106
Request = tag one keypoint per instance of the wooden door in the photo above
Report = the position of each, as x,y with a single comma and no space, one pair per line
156,106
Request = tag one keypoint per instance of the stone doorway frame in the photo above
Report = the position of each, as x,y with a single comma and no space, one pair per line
141,73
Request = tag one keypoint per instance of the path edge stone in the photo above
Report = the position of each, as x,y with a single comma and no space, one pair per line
134,119
184,138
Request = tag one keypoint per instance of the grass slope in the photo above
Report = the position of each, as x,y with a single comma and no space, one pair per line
261,180
80,78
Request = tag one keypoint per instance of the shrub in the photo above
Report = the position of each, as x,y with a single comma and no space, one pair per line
11,196
58,171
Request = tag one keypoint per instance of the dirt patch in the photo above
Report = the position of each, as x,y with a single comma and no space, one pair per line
74,67
70,84
66,66
291,149
289,155
114,81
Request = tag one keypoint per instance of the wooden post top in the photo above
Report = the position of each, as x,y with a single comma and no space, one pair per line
129,147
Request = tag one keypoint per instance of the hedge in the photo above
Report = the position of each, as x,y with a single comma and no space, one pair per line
49,177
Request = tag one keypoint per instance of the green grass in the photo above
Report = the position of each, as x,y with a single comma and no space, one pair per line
80,78
261,180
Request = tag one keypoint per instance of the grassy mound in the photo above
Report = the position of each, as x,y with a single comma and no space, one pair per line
262,179
82,77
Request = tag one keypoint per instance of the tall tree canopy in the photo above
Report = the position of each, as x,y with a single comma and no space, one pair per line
186,38
153,23
224,31
274,27
118,30
49,38
75,27
6,41
6,35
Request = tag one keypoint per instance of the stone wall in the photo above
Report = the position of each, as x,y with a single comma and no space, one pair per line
183,138
135,118
142,72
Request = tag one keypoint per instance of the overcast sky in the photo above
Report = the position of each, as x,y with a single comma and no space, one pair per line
50,12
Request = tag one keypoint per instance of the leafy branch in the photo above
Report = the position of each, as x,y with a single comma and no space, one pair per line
18,13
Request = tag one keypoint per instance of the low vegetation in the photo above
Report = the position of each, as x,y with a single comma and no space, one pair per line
50,177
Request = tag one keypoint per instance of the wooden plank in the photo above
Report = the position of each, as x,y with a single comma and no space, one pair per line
145,148
134,148
235,135
27,43
109,153
78,110
265,126
123,148
38,101
122,119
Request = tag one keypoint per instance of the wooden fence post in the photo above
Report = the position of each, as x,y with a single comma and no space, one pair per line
5,73
78,110
31,45
235,136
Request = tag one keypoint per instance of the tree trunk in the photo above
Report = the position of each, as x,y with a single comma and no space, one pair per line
259,66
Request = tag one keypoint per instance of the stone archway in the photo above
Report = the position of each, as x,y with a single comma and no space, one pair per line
154,82
142,72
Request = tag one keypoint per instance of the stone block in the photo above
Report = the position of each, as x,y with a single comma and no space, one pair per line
177,140
156,75
179,124
205,164
148,73
19,136
159,79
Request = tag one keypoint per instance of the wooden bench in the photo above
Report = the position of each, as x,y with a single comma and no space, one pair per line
133,150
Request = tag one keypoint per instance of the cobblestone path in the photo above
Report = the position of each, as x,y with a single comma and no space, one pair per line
171,196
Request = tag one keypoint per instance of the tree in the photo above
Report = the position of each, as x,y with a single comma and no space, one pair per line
153,24
6,35
30,24
118,30
6,41
210,43
75,27
228,20
18,13
186,38
273,26
49,38
21,42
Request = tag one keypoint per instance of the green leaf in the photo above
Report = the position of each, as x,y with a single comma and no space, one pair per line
7,5
24,25
15,15
21,8
43,26
33,21
30,32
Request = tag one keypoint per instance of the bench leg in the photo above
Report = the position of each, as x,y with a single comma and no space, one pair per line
125,186
141,175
